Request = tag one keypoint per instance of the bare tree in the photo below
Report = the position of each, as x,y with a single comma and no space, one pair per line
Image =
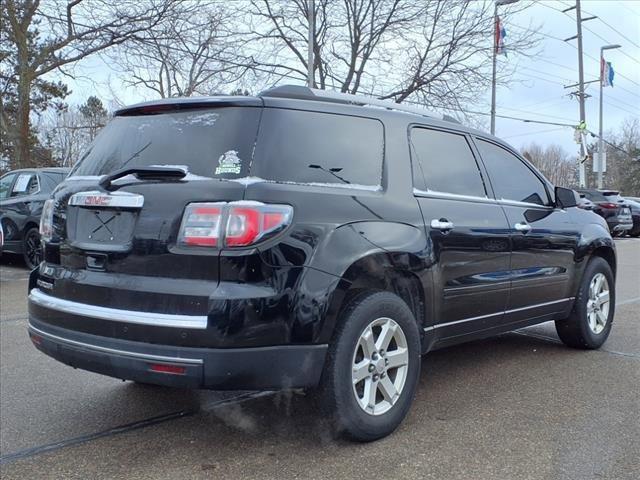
553,162
193,53
433,52
47,36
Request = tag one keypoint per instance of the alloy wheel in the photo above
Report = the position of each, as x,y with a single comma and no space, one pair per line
380,364
33,249
598,303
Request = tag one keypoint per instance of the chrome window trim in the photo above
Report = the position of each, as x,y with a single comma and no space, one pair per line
115,199
440,325
451,196
516,203
114,351
117,315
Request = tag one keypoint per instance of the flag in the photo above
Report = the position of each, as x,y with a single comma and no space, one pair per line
500,33
606,73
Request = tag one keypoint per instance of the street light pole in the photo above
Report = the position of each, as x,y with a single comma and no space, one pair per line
600,142
310,44
497,4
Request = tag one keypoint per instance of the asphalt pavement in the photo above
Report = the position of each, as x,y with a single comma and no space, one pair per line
517,406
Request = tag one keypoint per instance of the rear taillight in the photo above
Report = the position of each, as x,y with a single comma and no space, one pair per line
608,205
46,221
236,224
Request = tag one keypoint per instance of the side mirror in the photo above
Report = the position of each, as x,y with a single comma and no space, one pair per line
565,197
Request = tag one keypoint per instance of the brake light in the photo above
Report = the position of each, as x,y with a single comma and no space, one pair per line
201,225
245,223
608,205
46,221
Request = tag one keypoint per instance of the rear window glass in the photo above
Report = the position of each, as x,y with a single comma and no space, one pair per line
613,196
216,143
319,148
595,196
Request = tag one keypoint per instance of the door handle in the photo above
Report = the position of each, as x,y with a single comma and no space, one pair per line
442,224
523,227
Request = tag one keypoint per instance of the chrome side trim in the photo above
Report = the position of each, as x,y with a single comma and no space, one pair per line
126,353
515,203
113,314
440,325
450,196
101,199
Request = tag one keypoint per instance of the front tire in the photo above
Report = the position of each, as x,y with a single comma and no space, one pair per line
372,368
32,248
589,324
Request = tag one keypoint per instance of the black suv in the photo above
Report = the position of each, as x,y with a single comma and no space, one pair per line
22,196
303,239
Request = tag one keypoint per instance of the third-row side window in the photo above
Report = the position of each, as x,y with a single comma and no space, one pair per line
444,162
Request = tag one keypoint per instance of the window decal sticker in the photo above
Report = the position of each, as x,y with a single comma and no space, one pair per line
229,162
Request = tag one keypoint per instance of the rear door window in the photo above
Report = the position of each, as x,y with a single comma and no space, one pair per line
444,162
510,177
319,148
26,184
211,142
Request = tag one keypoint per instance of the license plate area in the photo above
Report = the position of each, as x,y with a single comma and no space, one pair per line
101,229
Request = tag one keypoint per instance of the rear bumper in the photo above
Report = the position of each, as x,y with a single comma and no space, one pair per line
619,225
259,368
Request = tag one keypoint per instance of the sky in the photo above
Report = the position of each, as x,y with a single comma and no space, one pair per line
537,91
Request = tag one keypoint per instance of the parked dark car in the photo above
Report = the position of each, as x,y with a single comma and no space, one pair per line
22,195
302,239
634,205
610,206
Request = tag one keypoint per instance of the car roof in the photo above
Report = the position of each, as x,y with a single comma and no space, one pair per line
304,98
42,170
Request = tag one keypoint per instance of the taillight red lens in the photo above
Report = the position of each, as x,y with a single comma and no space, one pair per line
246,223
201,225
243,226
608,205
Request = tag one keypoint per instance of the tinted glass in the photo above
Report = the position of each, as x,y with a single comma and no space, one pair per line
310,147
594,196
613,197
214,143
444,162
510,177
5,184
50,180
26,184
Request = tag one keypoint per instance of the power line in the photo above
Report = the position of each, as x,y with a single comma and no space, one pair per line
607,42
616,31
535,133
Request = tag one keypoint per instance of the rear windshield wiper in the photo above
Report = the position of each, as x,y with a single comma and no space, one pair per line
144,173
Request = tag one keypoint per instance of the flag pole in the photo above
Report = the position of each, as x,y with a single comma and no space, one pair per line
600,142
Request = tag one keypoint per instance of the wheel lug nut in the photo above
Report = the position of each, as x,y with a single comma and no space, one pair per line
374,356
371,368
382,375
375,377
386,361
382,352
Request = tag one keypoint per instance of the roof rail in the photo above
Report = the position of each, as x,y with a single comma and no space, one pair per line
306,93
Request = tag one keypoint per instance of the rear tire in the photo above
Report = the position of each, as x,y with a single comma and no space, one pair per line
32,248
372,367
590,322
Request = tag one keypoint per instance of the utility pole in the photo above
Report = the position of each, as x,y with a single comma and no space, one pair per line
311,43
600,142
497,4
581,95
